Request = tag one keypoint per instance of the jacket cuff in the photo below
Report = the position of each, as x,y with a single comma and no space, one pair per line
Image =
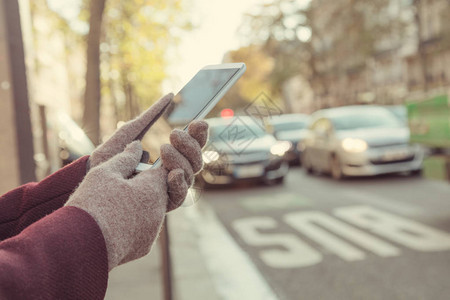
63,256
33,201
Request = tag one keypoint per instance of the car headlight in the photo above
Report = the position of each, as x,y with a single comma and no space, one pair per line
280,148
301,146
354,145
210,156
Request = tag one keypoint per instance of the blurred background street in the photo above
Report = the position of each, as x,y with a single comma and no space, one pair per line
328,167
302,238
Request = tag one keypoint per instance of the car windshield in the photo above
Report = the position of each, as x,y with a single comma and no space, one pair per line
365,119
400,112
235,131
286,126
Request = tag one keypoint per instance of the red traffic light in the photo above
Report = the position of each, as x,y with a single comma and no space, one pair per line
227,113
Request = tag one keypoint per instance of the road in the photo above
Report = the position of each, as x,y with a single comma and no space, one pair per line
366,238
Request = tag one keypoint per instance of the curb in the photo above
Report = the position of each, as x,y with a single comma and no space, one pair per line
208,263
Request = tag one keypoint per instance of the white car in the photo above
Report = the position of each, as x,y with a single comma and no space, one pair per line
359,141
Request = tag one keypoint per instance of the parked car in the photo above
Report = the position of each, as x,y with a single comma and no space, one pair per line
72,141
240,149
291,128
358,141
399,111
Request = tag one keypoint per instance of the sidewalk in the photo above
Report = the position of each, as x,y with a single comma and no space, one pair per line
141,279
138,279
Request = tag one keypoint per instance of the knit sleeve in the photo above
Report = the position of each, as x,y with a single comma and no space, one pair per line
29,203
62,256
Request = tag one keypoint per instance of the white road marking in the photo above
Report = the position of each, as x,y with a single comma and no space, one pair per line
329,232
295,254
385,203
307,223
233,273
403,231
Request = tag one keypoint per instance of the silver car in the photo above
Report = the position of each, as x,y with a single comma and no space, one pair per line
359,141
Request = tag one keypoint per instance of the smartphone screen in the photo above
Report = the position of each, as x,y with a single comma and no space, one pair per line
196,95
189,103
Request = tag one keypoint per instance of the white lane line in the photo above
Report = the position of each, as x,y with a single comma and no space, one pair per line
295,253
386,203
233,273
400,230
307,223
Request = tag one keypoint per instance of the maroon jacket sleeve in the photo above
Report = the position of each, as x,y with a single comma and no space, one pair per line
61,256
29,203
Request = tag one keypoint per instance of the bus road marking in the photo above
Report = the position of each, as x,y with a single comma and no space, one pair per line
334,235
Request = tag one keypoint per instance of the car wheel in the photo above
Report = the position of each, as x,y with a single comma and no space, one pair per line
200,183
279,180
335,168
275,181
306,163
416,172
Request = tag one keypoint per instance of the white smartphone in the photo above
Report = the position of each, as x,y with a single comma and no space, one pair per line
198,97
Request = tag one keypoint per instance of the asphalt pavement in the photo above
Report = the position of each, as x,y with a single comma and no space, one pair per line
386,237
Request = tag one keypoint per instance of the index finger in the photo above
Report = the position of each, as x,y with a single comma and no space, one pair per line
136,129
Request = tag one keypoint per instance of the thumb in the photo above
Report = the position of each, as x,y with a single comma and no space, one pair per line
125,162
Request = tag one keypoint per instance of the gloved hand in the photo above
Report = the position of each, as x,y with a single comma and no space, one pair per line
130,210
131,131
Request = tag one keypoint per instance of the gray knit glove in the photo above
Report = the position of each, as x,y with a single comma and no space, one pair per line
130,210
131,131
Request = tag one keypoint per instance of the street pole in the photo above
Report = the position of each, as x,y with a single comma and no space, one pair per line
15,87
166,261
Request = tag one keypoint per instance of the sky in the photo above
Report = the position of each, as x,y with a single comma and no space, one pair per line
215,33
218,21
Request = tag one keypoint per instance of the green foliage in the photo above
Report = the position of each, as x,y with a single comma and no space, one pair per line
137,34
281,28
252,83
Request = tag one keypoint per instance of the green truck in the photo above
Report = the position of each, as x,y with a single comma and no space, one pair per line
429,123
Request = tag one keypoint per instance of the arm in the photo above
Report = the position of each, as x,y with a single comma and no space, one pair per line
110,219
62,256
130,209
29,203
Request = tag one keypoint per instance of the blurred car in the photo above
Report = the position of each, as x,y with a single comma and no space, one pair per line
359,141
399,111
240,149
72,141
291,128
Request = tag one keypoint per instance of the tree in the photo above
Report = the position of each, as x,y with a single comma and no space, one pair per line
325,41
254,81
127,59
91,115
138,36
281,28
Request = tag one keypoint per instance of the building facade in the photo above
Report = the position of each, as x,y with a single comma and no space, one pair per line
381,52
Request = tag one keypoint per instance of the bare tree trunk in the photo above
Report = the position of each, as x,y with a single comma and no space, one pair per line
129,99
114,103
420,45
316,79
91,116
